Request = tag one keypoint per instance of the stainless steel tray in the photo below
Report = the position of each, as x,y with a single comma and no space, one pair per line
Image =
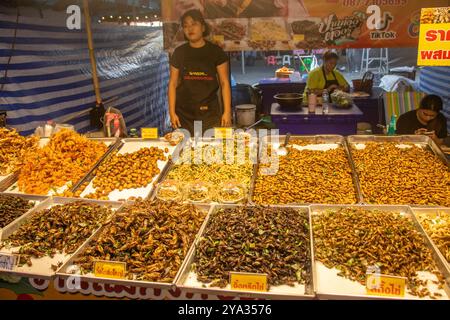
128,146
432,212
424,141
42,267
64,274
342,288
204,141
35,199
11,186
273,293
314,139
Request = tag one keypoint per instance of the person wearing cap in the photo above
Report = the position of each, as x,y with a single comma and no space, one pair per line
326,77
426,120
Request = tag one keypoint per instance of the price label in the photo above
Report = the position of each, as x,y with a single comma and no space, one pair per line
8,261
149,133
110,269
384,285
248,281
299,37
219,38
223,133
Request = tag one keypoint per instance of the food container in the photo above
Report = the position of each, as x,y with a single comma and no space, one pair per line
198,192
169,190
401,141
231,192
328,285
42,267
188,278
291,101
317,142
130,146
36,200
433,214
66,271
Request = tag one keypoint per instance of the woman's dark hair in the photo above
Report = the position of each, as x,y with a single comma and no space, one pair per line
328,55
431,102
434,103
196,15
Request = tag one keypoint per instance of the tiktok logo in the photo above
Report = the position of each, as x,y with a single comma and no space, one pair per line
73,22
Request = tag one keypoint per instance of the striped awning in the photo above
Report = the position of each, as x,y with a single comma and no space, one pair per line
47,75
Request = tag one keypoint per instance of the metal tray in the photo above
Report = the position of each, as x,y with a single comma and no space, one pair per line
432,212
12,187
6,181
35,199
343,288
204,141
424,141
64,274
315,139
129,146
273,293
42,266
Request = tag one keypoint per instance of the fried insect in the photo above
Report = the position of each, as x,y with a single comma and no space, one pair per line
352,239
12,208
59,229
153,239
392,175
275,241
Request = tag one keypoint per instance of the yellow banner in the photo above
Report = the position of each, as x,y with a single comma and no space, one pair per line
110,269
149,133
384,285
248,281
434,37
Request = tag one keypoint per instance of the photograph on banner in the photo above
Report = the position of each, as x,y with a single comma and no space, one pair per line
434,39
300,24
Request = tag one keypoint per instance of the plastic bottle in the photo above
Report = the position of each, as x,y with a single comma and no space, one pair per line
392,125
134,133
48,128
325,101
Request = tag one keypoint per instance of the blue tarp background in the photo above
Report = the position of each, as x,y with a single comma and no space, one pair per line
48,73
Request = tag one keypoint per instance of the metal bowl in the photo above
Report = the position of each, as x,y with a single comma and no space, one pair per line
289,100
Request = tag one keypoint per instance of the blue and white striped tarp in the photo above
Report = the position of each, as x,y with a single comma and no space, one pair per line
436,80
49,72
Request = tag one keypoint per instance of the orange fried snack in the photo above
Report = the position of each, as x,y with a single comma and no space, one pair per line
12,149
67,157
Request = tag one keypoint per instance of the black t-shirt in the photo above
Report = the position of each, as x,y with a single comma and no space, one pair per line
408,123
198,73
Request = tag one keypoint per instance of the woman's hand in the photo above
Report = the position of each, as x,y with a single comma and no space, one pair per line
226,119
332,87
175,121
420,131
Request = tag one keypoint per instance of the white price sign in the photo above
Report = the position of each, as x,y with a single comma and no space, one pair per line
8,261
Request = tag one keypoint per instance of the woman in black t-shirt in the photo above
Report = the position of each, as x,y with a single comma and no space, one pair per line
197,69
426,120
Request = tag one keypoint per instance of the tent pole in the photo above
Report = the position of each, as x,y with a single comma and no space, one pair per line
87,18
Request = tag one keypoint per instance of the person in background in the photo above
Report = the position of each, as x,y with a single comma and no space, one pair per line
197,69
426,120
326,77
